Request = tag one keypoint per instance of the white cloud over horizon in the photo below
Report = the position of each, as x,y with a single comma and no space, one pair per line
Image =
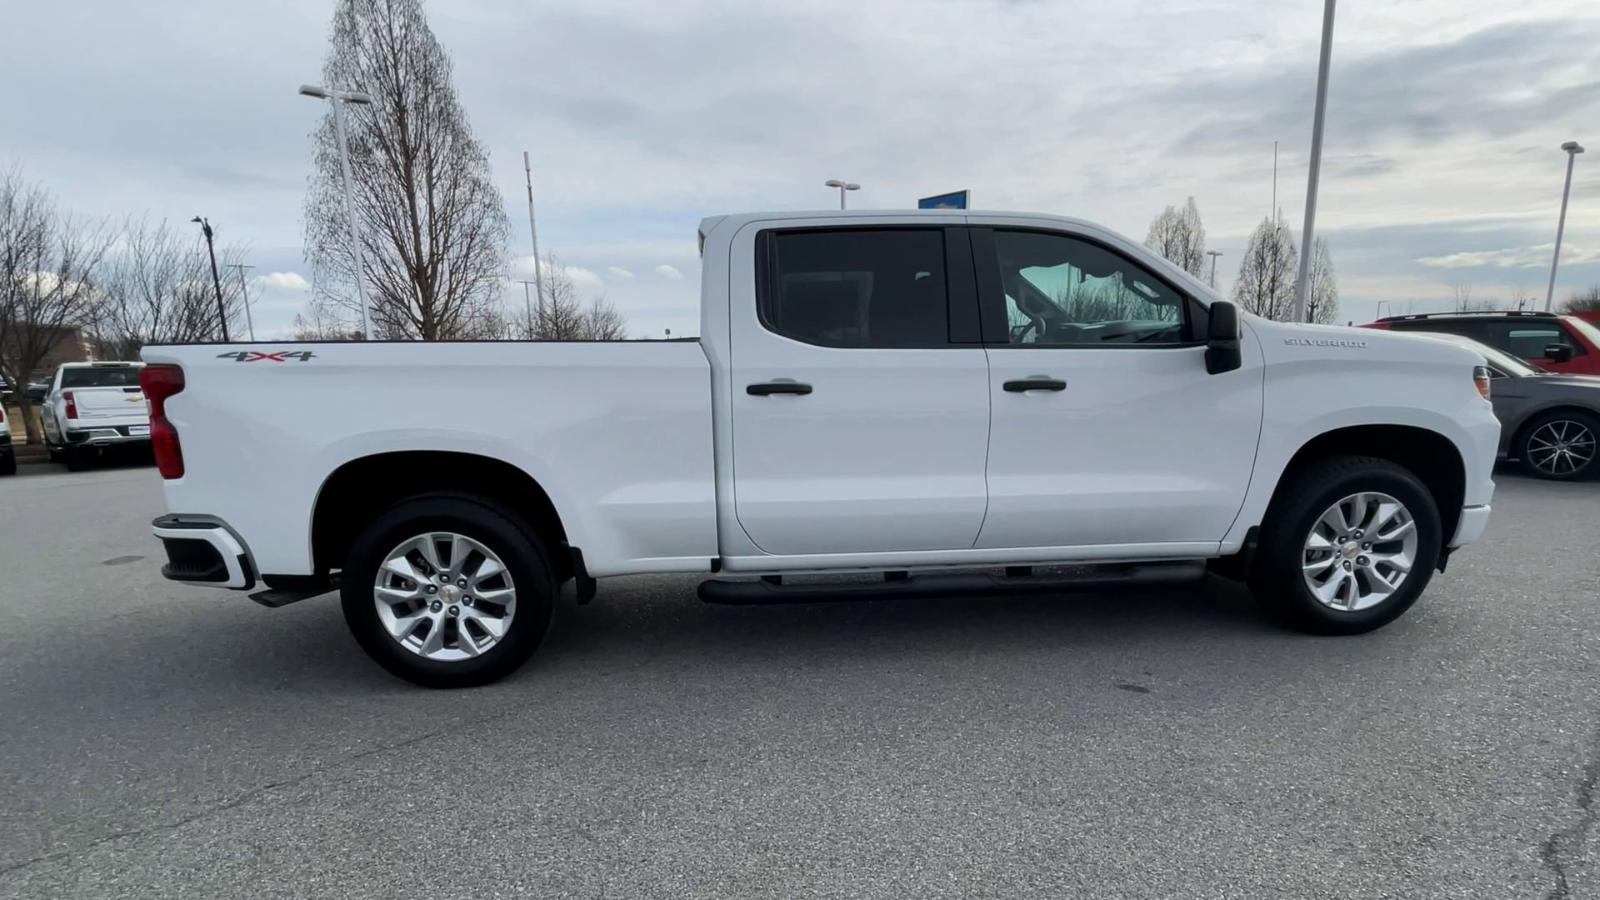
670,273
285,281
1511,257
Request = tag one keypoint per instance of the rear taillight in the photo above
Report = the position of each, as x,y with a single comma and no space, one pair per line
72,405
1480,377
159,383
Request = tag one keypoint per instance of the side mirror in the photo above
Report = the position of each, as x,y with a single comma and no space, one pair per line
1222,338
1558,352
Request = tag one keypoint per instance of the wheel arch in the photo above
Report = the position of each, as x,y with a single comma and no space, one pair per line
1561,406
360,488
1432,457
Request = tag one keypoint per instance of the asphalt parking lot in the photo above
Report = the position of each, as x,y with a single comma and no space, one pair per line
164,741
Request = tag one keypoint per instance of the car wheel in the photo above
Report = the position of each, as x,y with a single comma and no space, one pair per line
1560,445
8,465
1347,547
448,590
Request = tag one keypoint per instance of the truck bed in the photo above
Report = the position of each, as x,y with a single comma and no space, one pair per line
618,433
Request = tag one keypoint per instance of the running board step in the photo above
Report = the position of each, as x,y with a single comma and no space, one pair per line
771,589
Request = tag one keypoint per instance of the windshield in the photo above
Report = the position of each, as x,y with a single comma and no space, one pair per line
1585,328
1499,359
100,376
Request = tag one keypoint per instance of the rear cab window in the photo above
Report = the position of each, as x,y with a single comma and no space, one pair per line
100,376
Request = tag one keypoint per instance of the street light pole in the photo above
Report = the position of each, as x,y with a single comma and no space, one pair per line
216,282
1573,148
1213,254
1316,162
533,235
244,291
842,186
338,99
527,309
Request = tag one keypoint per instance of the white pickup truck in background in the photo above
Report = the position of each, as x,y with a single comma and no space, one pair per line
958,401
91,407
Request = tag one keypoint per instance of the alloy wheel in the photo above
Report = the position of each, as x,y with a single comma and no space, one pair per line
1359,551
444,596
1561,447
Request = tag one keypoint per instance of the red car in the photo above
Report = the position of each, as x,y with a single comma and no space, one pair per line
1558,343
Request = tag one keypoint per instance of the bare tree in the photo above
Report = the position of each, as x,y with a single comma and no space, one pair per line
157,289
1178,236
1322,286
1265,285
323,321
1465,302
603,322
1522,299
563,315
1584,301
434,226
48,265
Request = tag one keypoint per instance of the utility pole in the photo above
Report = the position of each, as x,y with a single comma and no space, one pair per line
527,310
216,282
1213,254
533,235
1573,148
1316,162
1272,214
245,292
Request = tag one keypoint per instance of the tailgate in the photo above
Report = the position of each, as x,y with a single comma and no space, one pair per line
110,402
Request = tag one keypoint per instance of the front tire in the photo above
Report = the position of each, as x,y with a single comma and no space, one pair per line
448,590
1560,445
1347,547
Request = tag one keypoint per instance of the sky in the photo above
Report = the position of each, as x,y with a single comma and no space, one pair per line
1442,168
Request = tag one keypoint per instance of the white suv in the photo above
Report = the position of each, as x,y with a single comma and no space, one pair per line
92,406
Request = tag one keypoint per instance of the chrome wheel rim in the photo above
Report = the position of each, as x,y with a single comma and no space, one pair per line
1359,551
1561,447
444,596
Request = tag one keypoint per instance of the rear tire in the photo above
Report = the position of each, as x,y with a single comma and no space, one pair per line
76,458
1323,582
8,465
1560,446
477,523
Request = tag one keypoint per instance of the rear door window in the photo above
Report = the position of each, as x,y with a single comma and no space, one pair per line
856,287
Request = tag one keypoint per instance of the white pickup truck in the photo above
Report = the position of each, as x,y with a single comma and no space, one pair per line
950,401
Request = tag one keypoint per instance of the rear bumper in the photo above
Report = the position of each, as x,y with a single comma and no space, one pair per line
1474,519
106,435
203,550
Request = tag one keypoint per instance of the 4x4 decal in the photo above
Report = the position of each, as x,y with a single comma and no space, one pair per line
274,356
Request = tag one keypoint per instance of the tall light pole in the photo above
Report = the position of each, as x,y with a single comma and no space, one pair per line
533,235
527,308
222,315
338,99
1316,162
245,292
842,186
1573,148
1213,254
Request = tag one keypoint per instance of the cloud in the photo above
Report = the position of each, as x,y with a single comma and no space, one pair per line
285,281
619,273
1509,257
584,279
669,272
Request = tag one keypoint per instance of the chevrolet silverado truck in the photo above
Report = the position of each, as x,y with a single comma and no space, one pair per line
928,402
